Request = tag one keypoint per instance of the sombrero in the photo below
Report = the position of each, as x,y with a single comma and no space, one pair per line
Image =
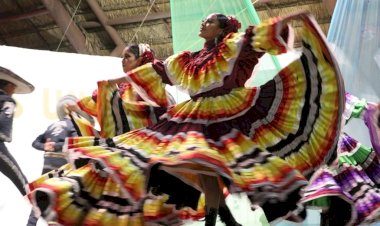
70,100
22,86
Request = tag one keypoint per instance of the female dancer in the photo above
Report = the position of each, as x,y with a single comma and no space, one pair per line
119,109
353,182
261,141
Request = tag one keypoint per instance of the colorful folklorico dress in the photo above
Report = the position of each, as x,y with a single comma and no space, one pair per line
262,141
118,109
351,187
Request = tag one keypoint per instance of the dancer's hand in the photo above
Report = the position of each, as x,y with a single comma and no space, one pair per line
117,81
72,107
49,145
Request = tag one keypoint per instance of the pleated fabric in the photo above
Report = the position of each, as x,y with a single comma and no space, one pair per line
352,183
262,141
118,110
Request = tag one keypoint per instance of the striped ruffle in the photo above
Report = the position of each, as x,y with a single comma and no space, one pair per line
295,116
215,109
116,111
260,141
354,181
268,37
83,126
211,75
89,195
88,105
303,123
249,169
149,85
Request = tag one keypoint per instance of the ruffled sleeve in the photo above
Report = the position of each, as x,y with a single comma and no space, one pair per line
208,69
273,36
149,82
197,73
88,105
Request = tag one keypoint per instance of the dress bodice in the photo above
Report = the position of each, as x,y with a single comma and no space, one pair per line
220,67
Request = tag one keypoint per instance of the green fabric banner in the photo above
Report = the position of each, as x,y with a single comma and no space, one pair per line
186,21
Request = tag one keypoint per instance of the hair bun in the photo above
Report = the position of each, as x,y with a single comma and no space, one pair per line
233,23
147,57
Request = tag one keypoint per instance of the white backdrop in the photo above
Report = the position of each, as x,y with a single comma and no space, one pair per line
53,75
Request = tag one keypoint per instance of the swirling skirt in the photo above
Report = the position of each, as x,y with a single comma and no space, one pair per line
262,141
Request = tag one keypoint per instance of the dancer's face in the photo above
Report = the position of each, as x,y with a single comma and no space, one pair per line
130,61
10,88
210,28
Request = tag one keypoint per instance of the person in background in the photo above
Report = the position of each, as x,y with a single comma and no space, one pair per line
119,108
11,83
352,182
52,140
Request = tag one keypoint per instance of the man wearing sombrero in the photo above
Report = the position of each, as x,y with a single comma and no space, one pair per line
51,141
10,83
